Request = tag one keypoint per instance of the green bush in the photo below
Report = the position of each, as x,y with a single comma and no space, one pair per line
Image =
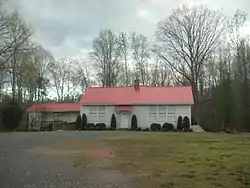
155,127
179,124
167,127
84,121
78,122
100,126
123,129
113,122
138,129
134,123
90,126
11,115
146,129
186,123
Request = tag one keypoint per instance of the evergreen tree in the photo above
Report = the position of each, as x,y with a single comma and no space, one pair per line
134,123
225,104
78,122
84,121
113,122
11,115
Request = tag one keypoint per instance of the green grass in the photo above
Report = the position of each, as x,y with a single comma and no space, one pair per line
184,159
80,162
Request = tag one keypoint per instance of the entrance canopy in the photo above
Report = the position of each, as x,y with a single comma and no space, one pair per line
123,108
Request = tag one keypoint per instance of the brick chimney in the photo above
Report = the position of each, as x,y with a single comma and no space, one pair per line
136,84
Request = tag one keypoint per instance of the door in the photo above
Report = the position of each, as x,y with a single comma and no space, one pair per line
124,120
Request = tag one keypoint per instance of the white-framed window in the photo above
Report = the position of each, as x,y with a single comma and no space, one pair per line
171,113
97,113
101,113
93,113
162,113
153,113
157,113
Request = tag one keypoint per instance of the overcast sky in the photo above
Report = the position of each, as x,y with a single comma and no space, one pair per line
67,27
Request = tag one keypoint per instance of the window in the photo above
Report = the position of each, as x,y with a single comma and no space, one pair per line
162,112
101,113
93,113
97,113
157,113
153,113
171,113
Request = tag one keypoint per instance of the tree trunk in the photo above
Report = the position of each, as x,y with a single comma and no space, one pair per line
14,75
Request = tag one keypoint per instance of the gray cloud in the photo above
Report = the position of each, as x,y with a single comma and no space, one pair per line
66,28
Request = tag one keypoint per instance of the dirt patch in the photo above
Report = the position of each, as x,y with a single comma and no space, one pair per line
94,159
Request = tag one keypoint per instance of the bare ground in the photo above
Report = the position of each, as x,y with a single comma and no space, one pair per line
59,159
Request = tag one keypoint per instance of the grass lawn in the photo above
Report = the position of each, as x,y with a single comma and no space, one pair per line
181,160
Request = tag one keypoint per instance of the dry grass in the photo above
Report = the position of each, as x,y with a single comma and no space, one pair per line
184,159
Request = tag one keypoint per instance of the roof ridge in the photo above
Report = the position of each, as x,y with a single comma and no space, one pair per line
96,87
55,103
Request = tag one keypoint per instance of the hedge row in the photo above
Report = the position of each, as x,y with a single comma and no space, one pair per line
182,124
98,126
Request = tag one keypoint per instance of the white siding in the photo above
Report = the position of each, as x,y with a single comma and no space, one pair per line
50,116
144,119
103,114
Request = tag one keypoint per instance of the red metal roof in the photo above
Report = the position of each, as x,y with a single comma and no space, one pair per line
55,107
143,95
123,107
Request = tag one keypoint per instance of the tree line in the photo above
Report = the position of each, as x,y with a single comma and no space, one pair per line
194,46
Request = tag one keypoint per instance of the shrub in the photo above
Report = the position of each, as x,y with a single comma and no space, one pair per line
78,122
190,130
11,115
179,124
90,126
110,129
146,129
100,126
123,129
155,127
113,122
84,121
134,123
138,129
186,123
167,127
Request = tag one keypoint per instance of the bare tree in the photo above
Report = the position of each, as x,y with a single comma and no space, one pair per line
161,74
43,61
84,74
124,52
19,35
140,54
106,56
187,38
236,24
64,78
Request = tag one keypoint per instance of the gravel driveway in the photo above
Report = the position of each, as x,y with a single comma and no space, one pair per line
25,163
